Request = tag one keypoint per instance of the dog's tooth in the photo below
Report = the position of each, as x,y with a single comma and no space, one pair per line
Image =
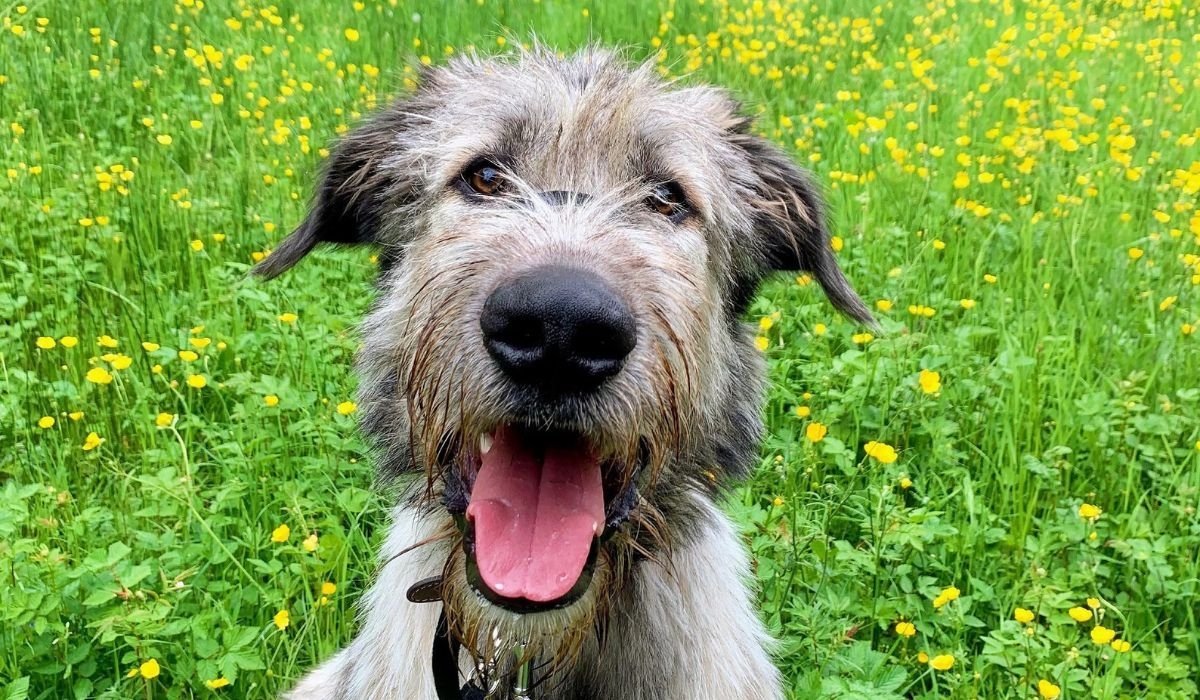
485,444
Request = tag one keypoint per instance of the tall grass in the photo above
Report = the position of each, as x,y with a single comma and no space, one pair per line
1014,187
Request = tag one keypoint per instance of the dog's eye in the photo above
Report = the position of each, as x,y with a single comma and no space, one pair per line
667,199
484,178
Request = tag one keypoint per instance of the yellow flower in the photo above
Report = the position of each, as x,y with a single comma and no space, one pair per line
820,329
281,533
328,588
1135,253
778,502
948,594
765,323
351,34
815,432
1167,303
1093,603
884,305
197,381
75,415
989,278
762,343
862,338
288,317
106,341
46,422
119,361
1102,635
1023,616
881,451
45,342
281,619
197,245
1048,690
1121,646
967,304
162,420
1079,614
150,347
905,483
98,375
930,381
68,341
942,662
803,411
1088,511
906,629
345,408
310,543
91,442
149,669
199,343
271,400
164,139
188,356
922,657
217,683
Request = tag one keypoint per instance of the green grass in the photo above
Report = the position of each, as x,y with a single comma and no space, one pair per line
1050,145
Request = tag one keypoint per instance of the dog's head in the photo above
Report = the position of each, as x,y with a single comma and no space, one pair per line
566,248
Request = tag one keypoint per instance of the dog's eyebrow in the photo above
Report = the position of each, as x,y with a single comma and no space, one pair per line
645,158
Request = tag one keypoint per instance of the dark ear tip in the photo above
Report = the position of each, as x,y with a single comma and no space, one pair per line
271,267
289,252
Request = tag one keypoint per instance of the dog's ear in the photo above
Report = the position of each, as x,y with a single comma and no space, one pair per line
354,191
790,227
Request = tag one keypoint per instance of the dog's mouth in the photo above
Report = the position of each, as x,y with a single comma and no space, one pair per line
533,511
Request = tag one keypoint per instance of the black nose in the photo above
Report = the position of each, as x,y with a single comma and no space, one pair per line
559,329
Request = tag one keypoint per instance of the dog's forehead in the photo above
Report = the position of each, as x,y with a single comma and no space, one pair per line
585,116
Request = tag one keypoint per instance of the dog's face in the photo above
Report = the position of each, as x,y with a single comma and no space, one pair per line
566,246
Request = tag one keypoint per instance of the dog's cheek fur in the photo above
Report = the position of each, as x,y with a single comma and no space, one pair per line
738,430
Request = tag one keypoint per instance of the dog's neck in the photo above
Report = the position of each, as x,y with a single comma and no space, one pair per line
444,659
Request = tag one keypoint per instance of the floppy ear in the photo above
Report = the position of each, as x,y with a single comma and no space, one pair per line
790,227
354,191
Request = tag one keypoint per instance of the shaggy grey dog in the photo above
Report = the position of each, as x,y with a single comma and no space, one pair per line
556,371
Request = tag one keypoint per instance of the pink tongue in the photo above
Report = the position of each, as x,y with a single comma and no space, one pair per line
536,510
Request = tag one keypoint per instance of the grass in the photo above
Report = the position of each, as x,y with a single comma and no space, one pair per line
1014,186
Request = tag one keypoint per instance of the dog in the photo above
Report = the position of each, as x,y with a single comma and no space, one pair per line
556,375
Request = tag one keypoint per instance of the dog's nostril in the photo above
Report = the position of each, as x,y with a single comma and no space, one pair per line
559,329
523,333
605,341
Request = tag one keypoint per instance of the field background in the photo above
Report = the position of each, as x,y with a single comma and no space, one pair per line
1014,188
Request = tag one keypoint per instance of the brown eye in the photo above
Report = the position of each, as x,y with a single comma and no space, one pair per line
484,178
667,199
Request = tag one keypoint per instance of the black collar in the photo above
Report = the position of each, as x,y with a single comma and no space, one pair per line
444,657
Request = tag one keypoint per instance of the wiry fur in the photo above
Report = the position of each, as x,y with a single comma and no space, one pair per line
668,614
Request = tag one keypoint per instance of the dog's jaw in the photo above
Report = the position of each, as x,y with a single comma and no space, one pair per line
534,507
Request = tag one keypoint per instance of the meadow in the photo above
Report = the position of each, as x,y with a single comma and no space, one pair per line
993,496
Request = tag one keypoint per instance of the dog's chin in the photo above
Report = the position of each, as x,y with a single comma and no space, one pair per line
497,637
537,512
